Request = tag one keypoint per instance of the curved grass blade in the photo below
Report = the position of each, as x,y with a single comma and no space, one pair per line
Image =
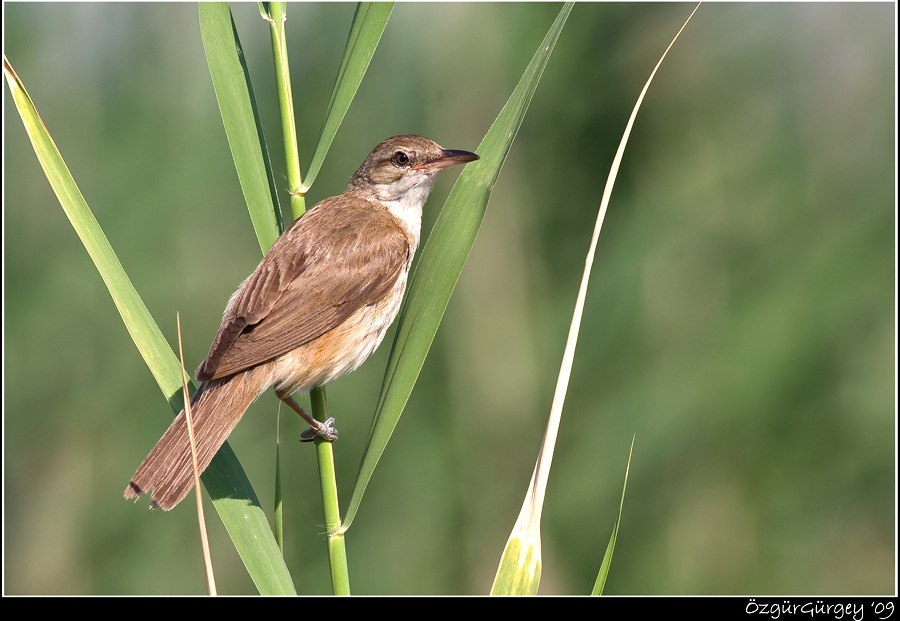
140,325
224,479
442,260
527,527
368,25
240,116
611,546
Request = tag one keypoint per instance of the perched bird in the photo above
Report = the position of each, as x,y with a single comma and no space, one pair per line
315,307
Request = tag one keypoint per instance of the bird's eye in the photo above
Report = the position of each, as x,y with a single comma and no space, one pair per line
400,159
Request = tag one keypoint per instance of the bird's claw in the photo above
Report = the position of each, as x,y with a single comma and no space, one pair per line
325,430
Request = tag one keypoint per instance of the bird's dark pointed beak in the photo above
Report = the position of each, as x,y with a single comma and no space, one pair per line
450,157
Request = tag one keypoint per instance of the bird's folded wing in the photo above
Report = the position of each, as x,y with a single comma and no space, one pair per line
343,254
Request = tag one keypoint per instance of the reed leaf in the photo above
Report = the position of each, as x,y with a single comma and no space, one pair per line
442,260
522,551
234,93
225,480
369,23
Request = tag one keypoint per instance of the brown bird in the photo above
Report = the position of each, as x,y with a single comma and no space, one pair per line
315,308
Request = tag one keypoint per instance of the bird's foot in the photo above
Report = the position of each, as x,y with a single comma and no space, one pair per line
324,430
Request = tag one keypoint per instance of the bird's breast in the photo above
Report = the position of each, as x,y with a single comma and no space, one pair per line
341,349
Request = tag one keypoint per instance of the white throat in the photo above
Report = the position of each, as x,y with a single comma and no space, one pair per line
407,207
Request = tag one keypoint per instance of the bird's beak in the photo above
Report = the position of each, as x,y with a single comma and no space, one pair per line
449,157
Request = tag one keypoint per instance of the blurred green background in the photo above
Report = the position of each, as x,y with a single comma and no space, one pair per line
741,321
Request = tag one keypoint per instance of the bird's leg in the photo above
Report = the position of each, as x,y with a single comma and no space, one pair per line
324,430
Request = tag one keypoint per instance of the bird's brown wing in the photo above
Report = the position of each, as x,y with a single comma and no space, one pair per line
328,264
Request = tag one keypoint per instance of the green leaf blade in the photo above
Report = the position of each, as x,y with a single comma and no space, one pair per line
240,115
606,563
369,23
442,260
140,325
225,480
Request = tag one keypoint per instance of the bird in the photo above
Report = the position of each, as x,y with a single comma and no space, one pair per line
317,305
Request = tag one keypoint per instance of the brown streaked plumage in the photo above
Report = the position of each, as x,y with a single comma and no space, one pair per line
315,308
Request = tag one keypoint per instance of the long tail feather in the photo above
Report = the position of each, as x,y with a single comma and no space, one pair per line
216,408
